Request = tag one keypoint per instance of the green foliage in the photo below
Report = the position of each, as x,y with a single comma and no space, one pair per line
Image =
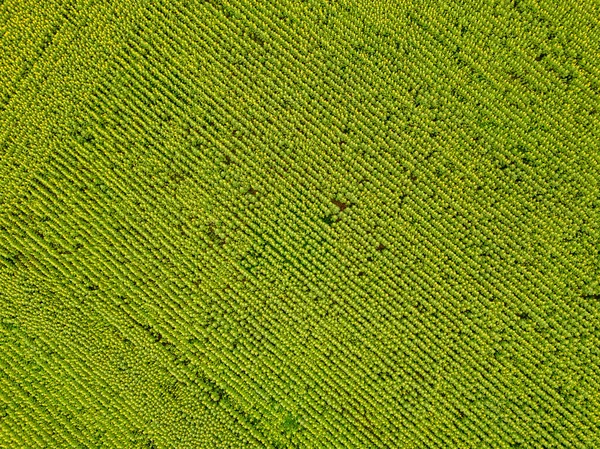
299,224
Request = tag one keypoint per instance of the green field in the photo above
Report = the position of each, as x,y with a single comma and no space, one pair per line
299,224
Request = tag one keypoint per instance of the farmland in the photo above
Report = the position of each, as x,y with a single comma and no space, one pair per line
299,224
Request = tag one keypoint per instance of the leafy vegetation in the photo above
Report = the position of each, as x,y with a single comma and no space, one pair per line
299,224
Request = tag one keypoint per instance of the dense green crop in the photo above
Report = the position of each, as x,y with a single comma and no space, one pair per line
299,224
